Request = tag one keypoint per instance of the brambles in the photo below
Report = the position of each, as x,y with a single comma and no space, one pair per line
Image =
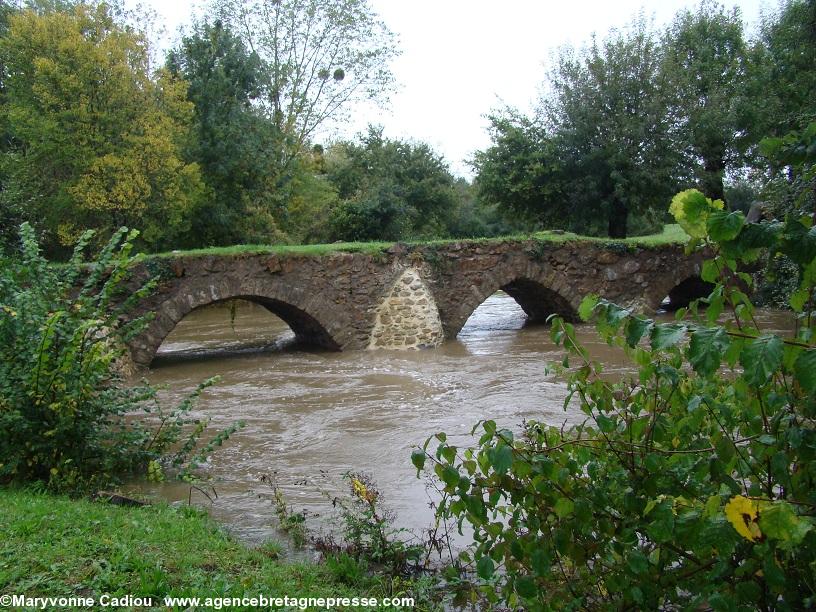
689,485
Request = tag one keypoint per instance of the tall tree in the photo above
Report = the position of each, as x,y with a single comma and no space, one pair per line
522,172
319,58
784,77
390,189
98,141
233,138
607,107
705,66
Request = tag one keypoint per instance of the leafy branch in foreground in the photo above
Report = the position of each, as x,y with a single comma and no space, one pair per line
63,397
690,484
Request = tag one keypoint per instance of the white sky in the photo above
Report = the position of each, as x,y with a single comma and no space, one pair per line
462,58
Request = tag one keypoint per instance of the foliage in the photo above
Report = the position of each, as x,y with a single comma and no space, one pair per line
318,58
704,64
522,172
96,138
389,189
783,79
233,139
607,109
63,401
688,485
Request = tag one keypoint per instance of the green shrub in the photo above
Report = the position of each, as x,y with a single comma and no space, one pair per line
63,400
690,485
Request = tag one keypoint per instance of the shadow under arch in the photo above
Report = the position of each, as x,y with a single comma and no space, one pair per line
536,299
307,328
685,292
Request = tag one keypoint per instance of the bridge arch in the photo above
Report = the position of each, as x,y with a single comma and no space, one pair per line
539,296
309,317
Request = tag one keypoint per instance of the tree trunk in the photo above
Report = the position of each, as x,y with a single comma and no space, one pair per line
712,179
618,218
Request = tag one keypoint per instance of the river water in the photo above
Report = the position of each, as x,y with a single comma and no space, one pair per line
313,415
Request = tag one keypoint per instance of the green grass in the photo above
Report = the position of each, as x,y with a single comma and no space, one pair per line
54,546
671,234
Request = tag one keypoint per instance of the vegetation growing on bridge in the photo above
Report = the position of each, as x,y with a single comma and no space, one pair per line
671,234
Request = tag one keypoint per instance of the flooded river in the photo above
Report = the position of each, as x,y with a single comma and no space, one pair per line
312,415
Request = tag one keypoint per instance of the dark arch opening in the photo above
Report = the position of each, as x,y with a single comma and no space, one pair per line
686,292
538,301
532,303
262,335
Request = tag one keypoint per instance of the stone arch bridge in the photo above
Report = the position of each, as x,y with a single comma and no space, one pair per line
411,296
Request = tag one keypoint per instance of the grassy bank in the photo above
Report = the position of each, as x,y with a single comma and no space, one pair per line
53,546
671,234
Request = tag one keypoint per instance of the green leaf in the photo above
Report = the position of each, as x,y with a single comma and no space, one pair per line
723,226
526,587
564,507
706,349
760,358
638,562
501,458
710,272
798,299
485,568
778,521
418,459
587,306
636,327
665,335
805,370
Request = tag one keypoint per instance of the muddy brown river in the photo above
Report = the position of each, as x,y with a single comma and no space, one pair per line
313,415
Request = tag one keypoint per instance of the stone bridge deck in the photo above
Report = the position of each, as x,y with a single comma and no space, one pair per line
410,296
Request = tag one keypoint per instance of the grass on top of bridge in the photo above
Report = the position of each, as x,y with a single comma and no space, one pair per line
671,234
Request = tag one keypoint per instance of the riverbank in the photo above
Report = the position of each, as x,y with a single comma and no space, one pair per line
57,547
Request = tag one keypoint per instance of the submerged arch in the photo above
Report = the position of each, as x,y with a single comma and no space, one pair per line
537,299
301,316
685,292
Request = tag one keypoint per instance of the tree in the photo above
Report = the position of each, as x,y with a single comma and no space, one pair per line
704,65
784,78
607,107
97,140
390,189
522,172
232,135
319,57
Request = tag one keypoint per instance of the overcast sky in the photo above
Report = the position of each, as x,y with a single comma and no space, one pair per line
462,58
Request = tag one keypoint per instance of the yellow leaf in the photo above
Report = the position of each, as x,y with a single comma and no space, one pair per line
742,513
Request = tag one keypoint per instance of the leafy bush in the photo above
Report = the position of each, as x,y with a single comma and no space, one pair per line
689,485
63,399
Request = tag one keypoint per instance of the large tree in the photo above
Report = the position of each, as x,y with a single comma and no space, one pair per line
233,141
607,107
389,189
97,139
522,172
319,58
784,77
705,68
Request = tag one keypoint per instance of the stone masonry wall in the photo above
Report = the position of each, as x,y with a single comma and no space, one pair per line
407,317
345,301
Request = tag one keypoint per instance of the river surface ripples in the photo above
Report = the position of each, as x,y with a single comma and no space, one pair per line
313,415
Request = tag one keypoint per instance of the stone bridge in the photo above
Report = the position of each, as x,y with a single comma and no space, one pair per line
412,296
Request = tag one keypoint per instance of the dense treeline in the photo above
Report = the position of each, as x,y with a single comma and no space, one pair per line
631,119
217,142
